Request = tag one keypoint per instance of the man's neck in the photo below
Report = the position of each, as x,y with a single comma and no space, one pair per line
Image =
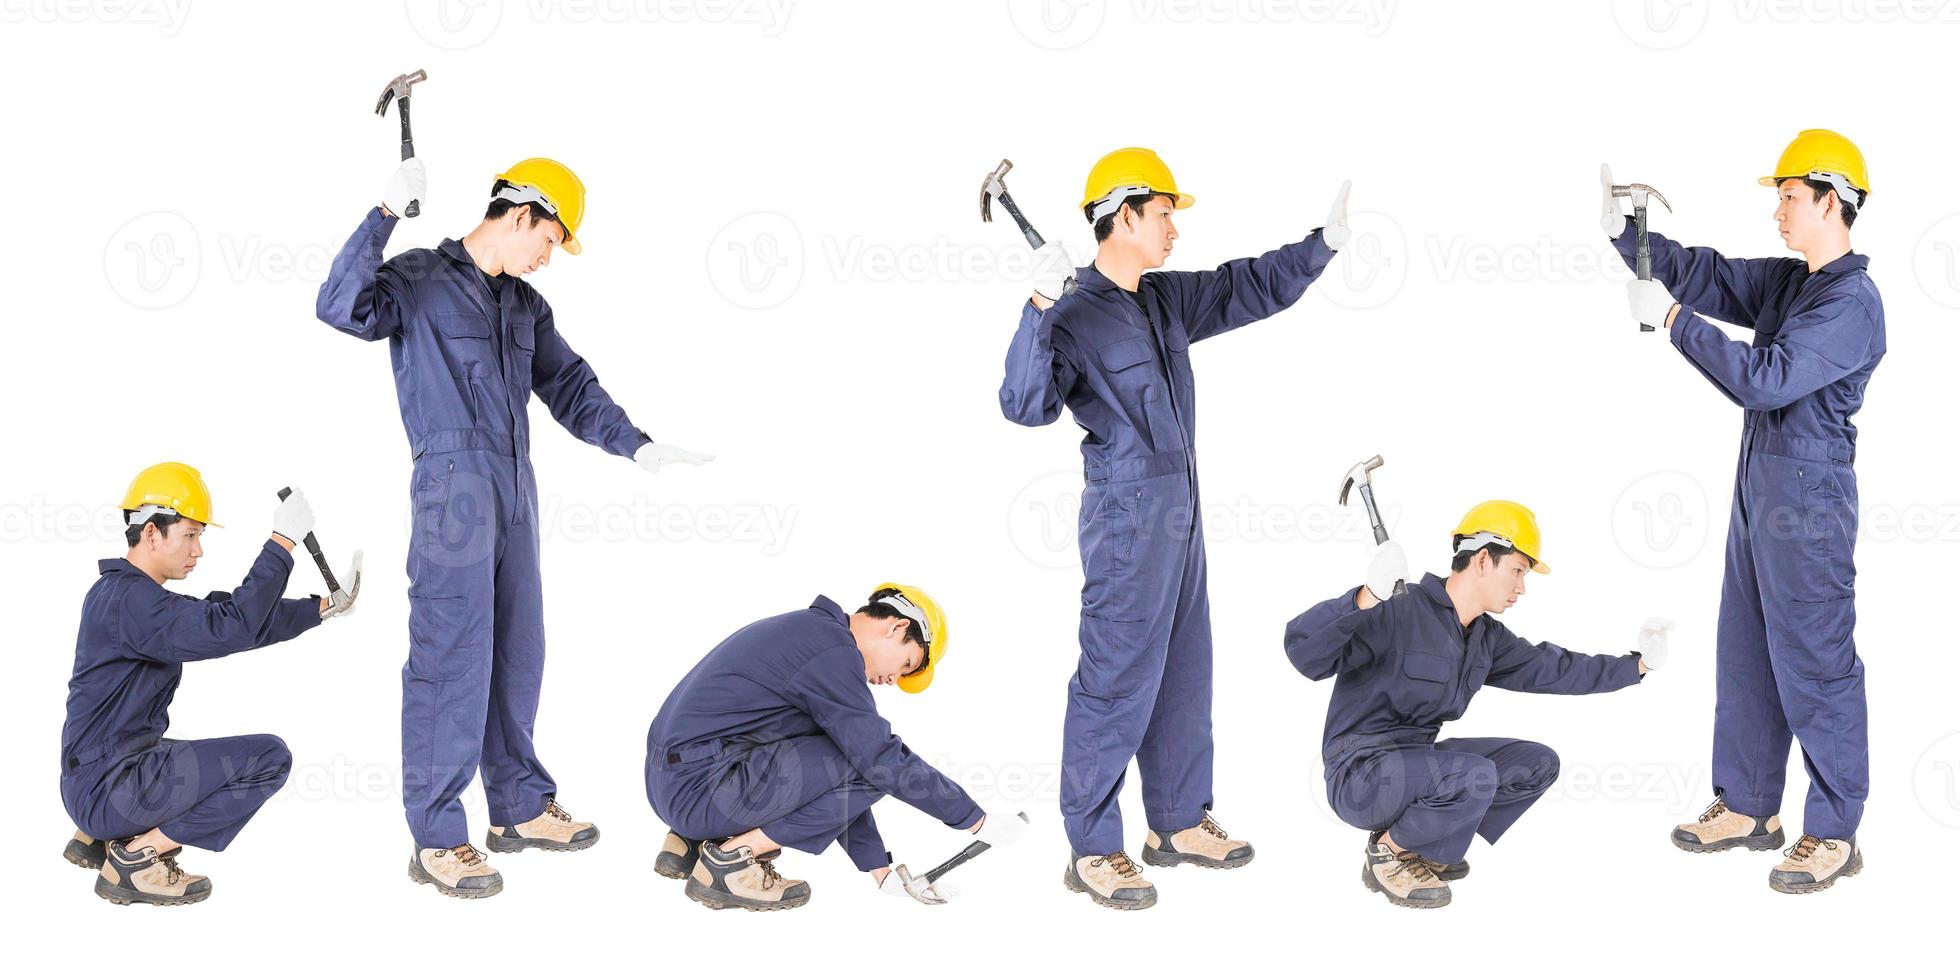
1459,590
134,558
1123,270
477,244
1838,247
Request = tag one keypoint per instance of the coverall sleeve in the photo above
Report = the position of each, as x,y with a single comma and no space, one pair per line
1812,349
1038,376
1547,668
167,627
1334,637
1729,289
1244,290
831,689
363,296
570,388
864,844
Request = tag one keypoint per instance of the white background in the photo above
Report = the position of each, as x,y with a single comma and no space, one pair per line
784,266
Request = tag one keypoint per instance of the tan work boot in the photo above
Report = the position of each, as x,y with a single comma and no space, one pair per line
1813,864
677,856
1404,878
83,851
458,872
740,879
1111,881
148,878
1721,828
552,830
1206,845
1446,872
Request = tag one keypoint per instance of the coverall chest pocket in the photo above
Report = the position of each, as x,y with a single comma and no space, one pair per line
1122,364
1178,343
462,339
523,347
1425,679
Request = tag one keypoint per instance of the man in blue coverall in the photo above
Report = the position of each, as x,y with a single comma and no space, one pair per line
773,741
138,798
470,342
1116,352
1786,664
1409,663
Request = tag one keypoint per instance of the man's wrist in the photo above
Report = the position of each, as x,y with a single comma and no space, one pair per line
282,541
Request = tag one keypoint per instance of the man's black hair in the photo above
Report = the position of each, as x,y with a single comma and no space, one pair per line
1107,225
1462,559
133,533
500,206
1845,209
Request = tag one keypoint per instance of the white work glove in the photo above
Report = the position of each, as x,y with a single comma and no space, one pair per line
410,182
1650,301
653,456
1335,233
1001,829
342,603
1653,642
894,886
1611,221
1052,270
293,520
1388,567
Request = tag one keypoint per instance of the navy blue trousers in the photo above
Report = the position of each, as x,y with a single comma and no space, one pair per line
1432,799
199,792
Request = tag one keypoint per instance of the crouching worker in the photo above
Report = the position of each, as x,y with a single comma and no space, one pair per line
1407,664
773,741
136,797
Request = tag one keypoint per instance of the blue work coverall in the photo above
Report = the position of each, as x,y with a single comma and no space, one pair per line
1121,363
776,729
468,350
1785,661
1405,666
119,776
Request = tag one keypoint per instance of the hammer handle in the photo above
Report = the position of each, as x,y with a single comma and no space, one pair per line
1643,256
1034,237
313,548
968,853
408,151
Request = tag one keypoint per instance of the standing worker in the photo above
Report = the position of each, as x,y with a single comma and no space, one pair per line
773,741
137,798
1116,351
470,342
1785,660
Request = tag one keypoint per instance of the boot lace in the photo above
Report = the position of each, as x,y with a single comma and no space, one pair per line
466,855
1807,846
1715,809
172,874
552,809
1118,862
1210,826
770,877
1417,866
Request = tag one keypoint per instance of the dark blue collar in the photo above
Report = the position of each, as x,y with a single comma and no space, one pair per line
107,565
1845,263
824,605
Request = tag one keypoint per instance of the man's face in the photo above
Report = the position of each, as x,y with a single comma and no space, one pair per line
1800,217
527,243
1501,583
888,654
175,553
1149,233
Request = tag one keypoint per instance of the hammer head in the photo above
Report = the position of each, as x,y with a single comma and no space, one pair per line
919,888
993,187
1358,473
1639,193
398,89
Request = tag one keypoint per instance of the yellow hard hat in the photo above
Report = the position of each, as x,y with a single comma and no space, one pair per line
1502,522
552,184
175,487
1132,170
1819,154
914,604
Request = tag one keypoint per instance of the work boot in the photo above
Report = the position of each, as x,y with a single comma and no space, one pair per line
458,872
1404,878
1206,845
148,878
1813,864
552,830
677,856
740,879
1111,881
1447,872
83,851
1721,828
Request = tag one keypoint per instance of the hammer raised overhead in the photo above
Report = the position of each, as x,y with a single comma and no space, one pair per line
397,91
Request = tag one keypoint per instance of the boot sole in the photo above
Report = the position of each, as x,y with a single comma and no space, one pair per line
82,855
1075,883
1766,842
1171,859
1852,867
723,900
670,865
118,895
421,877
503,845
1368,878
